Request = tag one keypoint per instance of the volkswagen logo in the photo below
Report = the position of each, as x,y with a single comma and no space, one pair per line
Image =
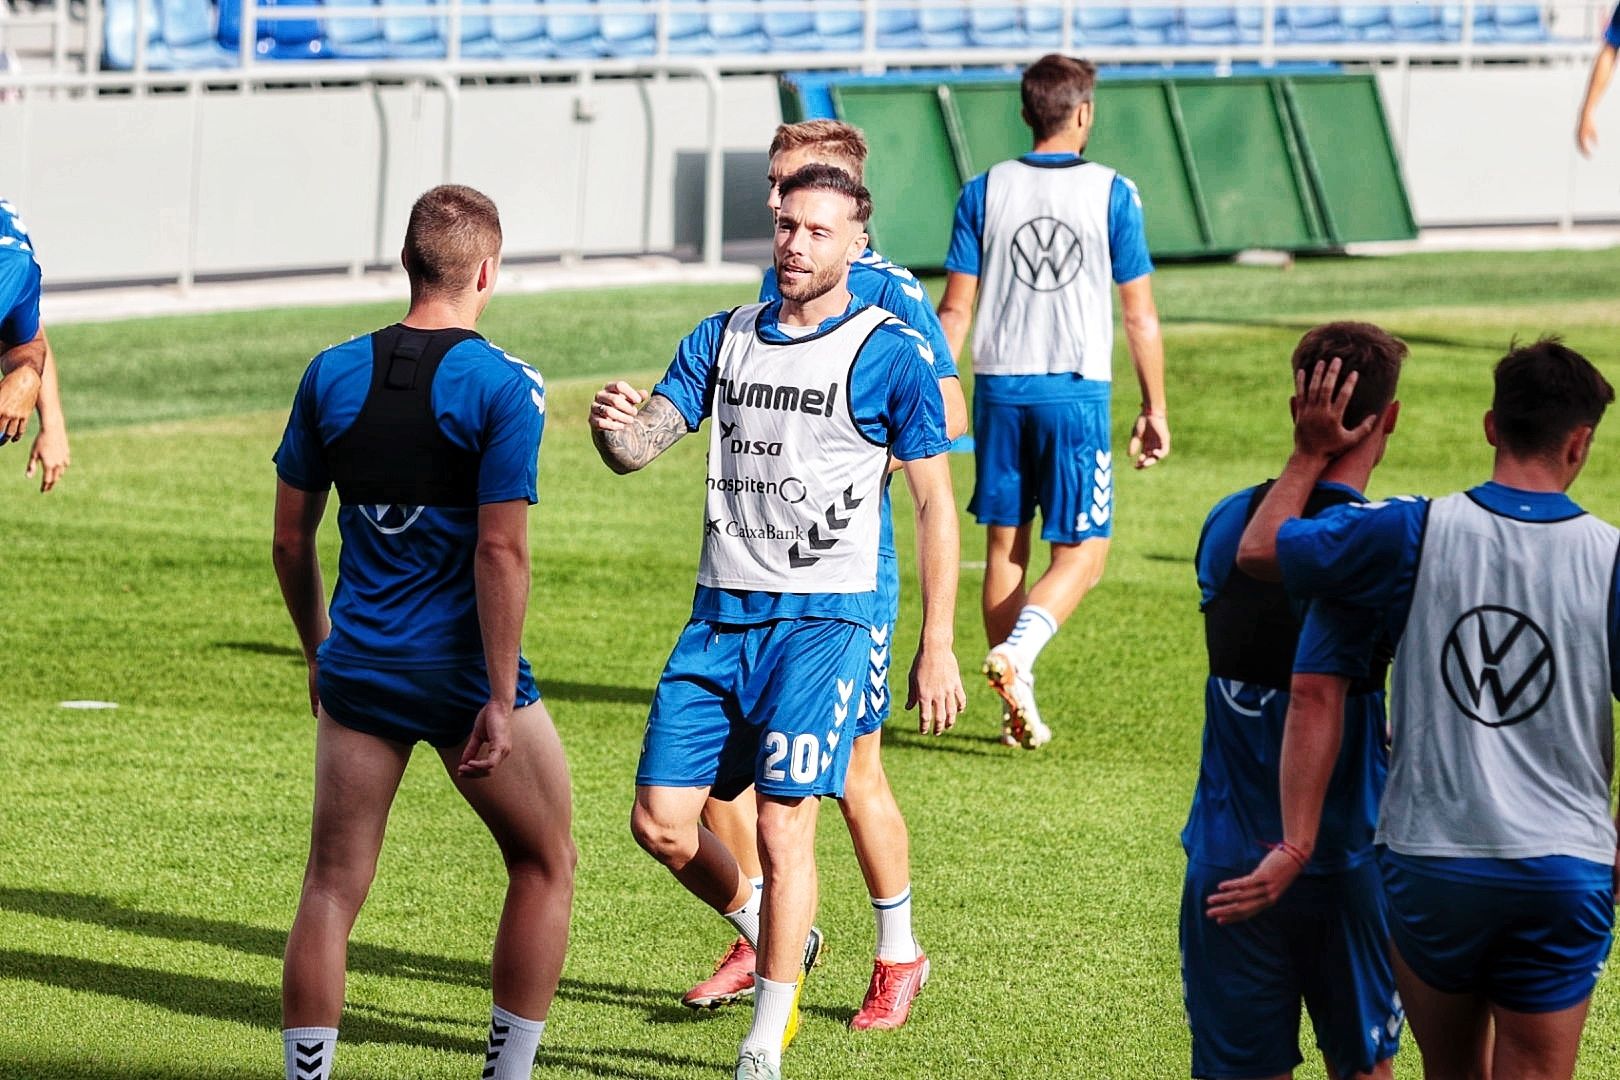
390,518
1046,254
1497,665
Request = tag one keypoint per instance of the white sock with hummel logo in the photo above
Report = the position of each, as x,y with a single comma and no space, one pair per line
1035,627
513,1042
308,1052
746,918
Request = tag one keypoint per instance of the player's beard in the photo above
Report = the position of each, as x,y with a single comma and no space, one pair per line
822,280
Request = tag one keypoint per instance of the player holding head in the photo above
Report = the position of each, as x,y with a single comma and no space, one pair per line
431,435
766,685
1047,234
26,372
1326,944
49,452
1499,856
1602,72
876,825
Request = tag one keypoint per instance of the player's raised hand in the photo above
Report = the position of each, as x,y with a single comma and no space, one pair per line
1238,899
614,406
1150,439
934,689
489,743
1320,401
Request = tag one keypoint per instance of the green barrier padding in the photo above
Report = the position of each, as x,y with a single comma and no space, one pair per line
991,125
1136,134
911,171
1240,148
1351,157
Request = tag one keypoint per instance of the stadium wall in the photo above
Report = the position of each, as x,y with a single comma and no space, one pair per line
165,185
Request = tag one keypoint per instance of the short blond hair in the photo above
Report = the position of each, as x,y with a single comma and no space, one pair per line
453,228
833,138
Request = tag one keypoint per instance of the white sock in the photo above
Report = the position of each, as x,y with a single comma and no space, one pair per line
513,1042
1034,628
773,1004
308,1052
746,918
895,945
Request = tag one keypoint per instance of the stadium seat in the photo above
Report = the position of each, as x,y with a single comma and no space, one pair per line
630,32
521,35
943,27
188,35
841,31
281,39
688,29
414,37
1366,22
1043,25
792,29
1103,26
118,35
1310,23
1519,22
898,28
1417,22
575,32
1155,25
997,27
737,30
355,39
1209,25
477,31
1251,24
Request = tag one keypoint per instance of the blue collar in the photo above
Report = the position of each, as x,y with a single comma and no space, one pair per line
773,311
1525,505
1334,485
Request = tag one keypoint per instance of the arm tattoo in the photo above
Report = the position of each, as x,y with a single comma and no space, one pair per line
658,426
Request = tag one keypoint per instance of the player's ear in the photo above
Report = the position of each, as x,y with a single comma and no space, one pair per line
1391,411
1083,115
1490,427
856,247
405,259
1579,445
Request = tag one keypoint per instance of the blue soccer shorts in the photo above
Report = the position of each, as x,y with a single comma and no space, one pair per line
774,705
436,705
879,647
1526,946
1324,945
1055,455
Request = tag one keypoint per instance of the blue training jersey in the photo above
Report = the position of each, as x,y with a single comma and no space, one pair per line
1611,33
1364,558
894,399
405,596
881,283
19,280
1236,809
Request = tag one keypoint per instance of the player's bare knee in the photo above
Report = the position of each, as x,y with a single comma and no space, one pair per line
673,844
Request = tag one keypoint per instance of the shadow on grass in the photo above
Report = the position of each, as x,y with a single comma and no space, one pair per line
563,690
952,742
261,648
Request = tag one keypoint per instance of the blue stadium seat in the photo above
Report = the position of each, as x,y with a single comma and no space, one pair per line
574,33
1155,25
1519,22
1043,25
477,31
188,35
118,35
1310,23
898,28
355,39
841,31
1103,26
998,27
1366,22
521,35
943,27
283,39
738,31
1417,22
631,33
1250,24
1209,25
414,37
792,29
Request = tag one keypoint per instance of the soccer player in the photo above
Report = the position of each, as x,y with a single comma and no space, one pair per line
820,390
50,452
876,826
431,436
24,363
1047,234
1602,72
1498,851
1326,944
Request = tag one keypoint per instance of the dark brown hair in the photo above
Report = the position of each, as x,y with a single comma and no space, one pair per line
452,229
1053,87
834,138
831,178
1371,351
1545,391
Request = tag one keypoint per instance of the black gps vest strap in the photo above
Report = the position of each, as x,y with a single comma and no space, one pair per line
394,452
1251,630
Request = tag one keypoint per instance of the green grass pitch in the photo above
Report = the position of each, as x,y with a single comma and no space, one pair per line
150,856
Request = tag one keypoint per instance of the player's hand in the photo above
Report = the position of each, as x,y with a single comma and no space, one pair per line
489,743
1319,430
1238,899
1586,137
314,690
934,689
19,392
50,454
1150,439
614,406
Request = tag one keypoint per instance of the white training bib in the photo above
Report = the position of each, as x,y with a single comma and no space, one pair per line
1046,305
795,487
1499,703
